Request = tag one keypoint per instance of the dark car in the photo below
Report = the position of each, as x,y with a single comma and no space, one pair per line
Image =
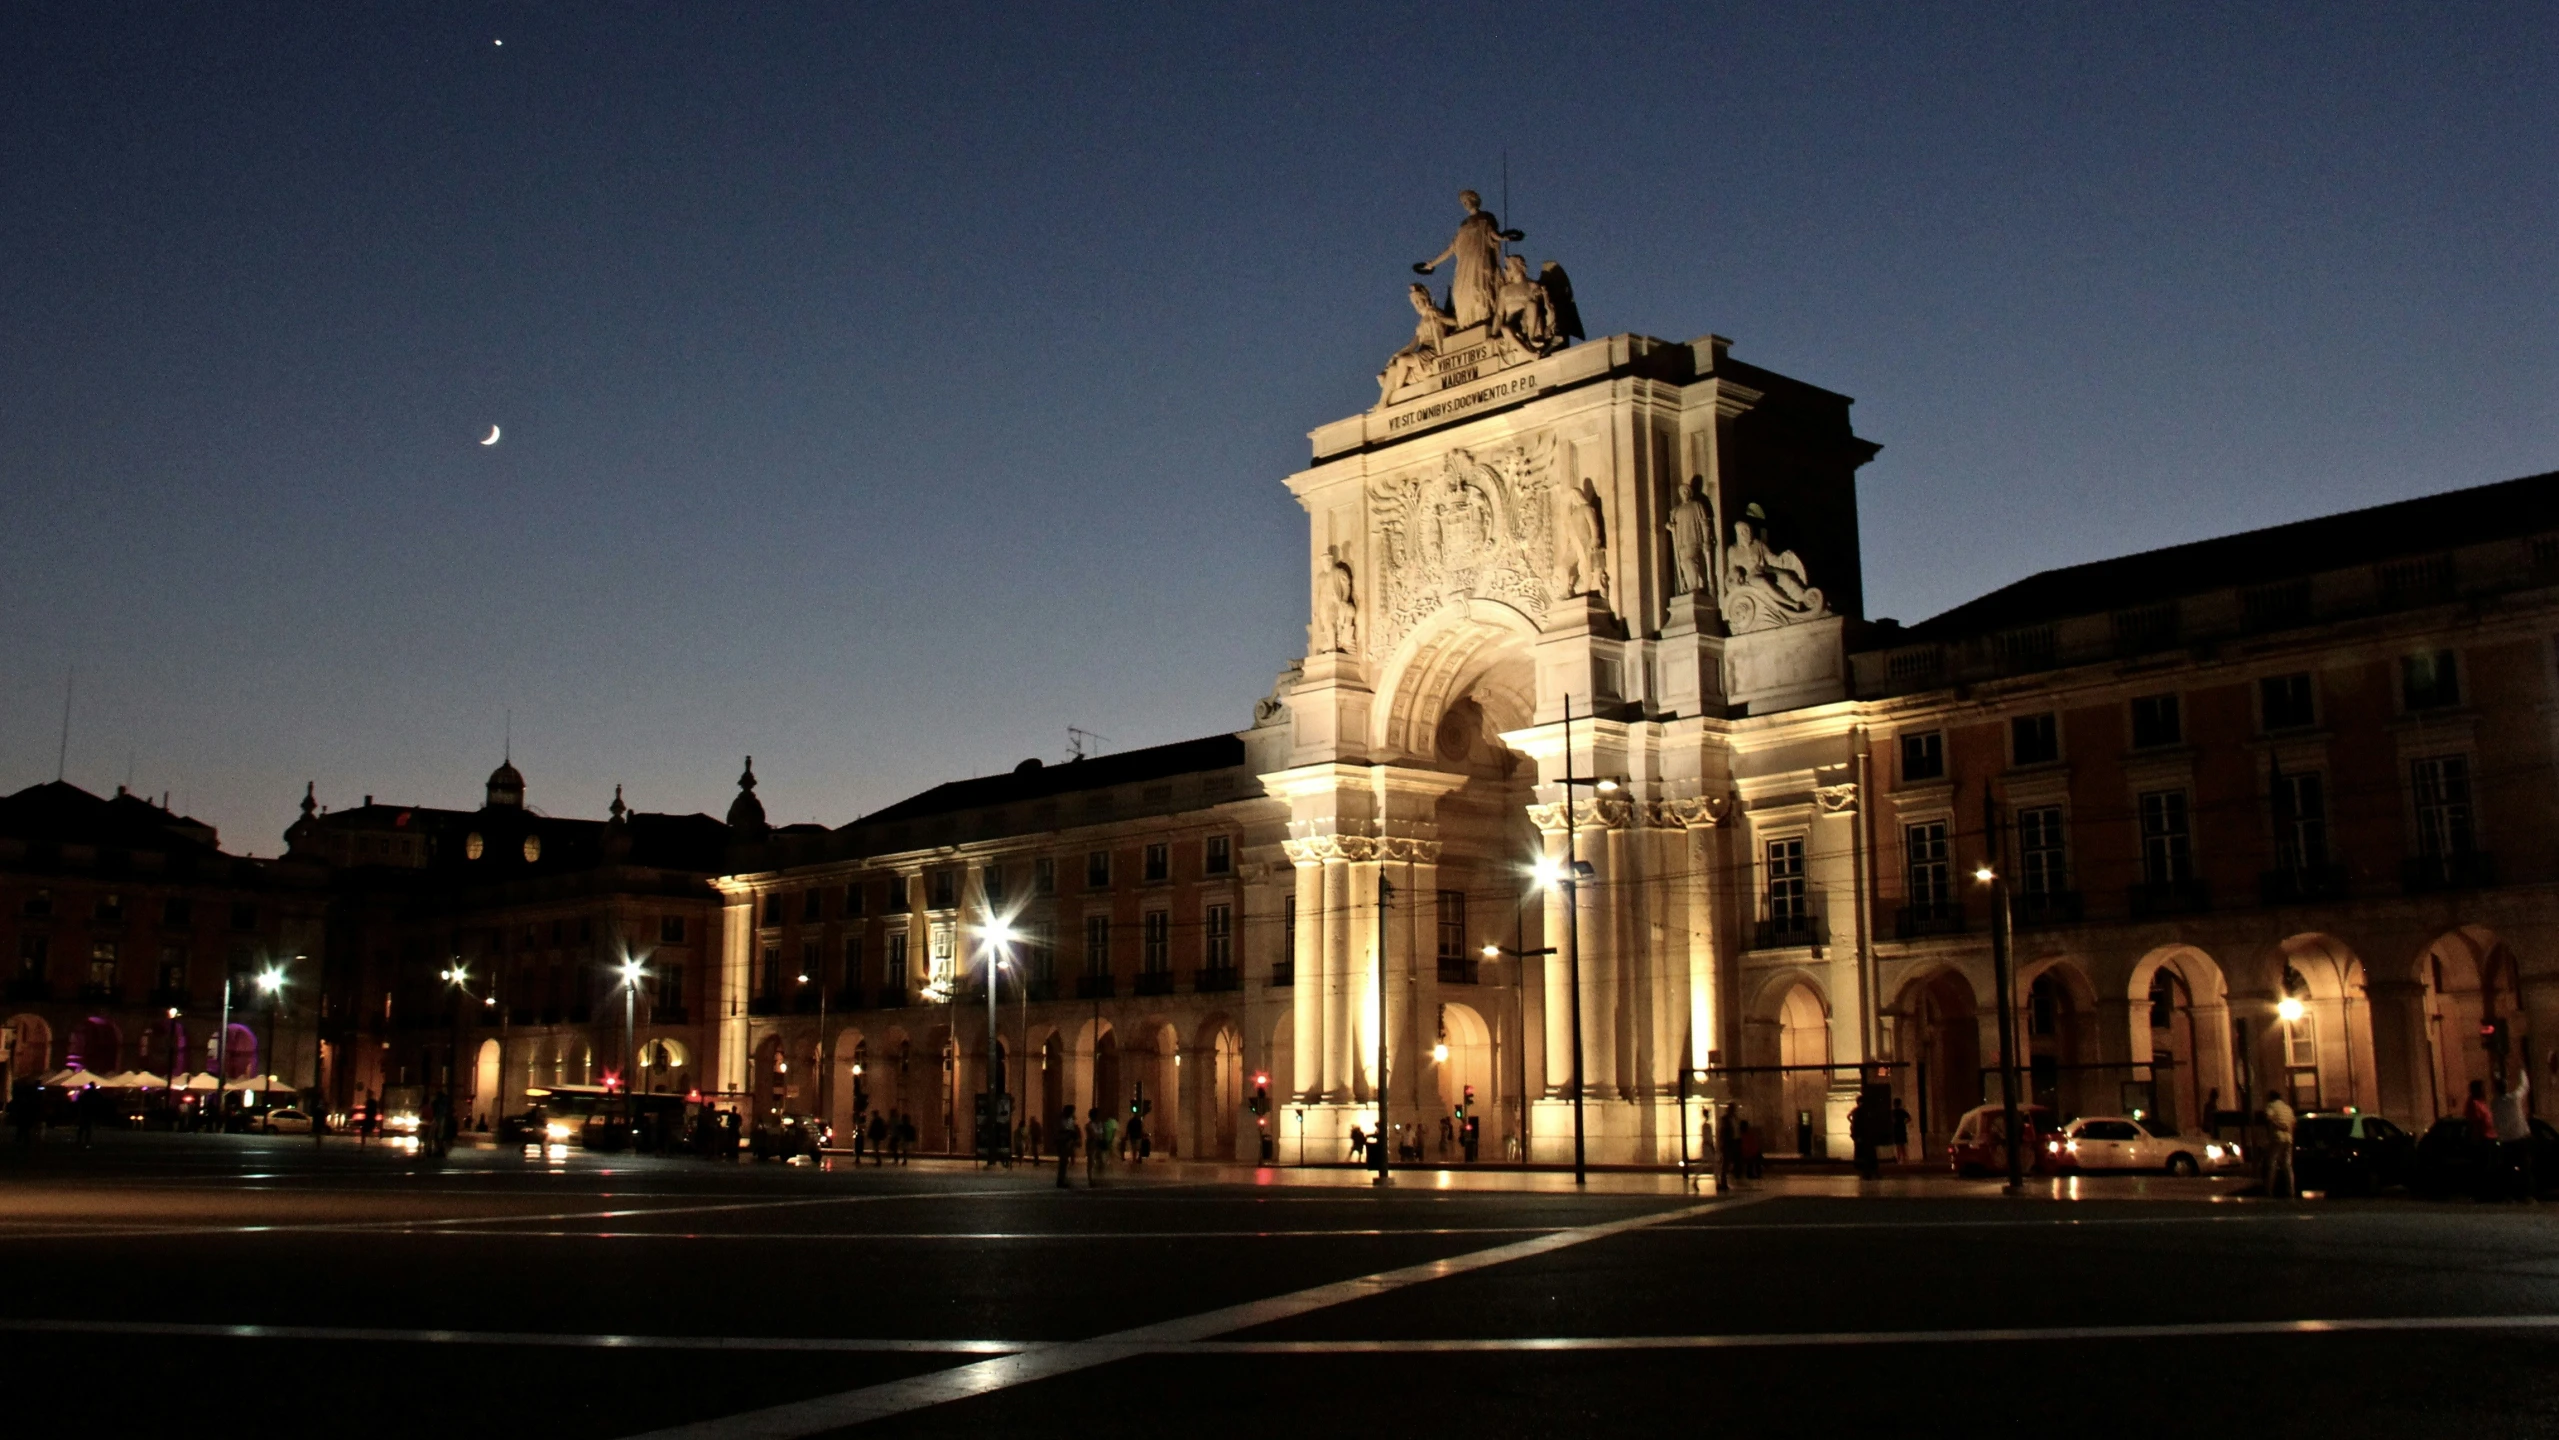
1979,1145
2344,1153
2450,1162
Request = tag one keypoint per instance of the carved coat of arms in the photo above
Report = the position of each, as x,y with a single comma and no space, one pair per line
1480,525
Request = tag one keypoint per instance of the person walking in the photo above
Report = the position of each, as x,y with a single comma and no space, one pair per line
1862,1125
2477,1120
84,1115
879,1138
1063,1140
905,1138
1727,1148
1359,1144
2279,1129
2514,1133
1137,1148
370,1122
1096,1145
1901,1133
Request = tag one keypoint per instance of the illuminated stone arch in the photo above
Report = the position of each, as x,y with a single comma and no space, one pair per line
1470,649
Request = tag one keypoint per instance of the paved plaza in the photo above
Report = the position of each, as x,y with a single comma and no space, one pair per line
251,1285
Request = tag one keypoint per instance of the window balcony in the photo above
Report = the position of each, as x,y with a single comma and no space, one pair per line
2302,884
1223,977
2030,909
101,994
1095,987
2458,870
1459,970
1942,917
1283,974
1154,982
2167,897
1780,932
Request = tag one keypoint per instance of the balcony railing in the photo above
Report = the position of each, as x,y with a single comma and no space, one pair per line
1779,932
1283,974
1223,977
1095,987
1154,982
2028,909
2302,884
2462,870
102,994
2167,897
1458,969
1911,922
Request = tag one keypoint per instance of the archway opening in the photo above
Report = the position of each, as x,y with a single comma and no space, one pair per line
1941,1038
1803,1058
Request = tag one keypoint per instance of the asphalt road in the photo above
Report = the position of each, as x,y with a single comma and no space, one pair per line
240,1285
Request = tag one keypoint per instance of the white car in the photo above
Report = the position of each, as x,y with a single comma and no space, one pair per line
2119,1142
288,1121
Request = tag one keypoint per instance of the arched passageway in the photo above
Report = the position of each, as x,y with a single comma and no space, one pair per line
1940,1038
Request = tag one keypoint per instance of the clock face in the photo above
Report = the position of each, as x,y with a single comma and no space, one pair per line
532,848
473,846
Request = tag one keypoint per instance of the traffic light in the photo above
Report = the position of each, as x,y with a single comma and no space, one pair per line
1260,1104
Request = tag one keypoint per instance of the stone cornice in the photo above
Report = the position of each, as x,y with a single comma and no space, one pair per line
1317,849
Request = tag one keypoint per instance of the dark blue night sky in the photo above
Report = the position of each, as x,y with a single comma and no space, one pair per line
885,391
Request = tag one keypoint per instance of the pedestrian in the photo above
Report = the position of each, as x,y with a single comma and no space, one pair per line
2279,1127
1728,1148
2212,1112
1447,1134
2514,1133
1137,1138
1752,1148
371,1122
1062,1140
1863,1121
879,1138
1096,1144
1034,1138
2477,1120
1901,1133
1111,1137
1359,1145
84,1115
905,1137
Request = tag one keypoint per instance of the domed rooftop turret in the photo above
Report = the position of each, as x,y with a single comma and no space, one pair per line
746,813
506,786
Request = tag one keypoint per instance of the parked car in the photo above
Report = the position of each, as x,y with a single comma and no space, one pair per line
1979,1145
2345,1153
290,1120
780,1137
2120,1142
2448,1162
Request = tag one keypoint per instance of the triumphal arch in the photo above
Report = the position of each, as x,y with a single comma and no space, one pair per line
1560,591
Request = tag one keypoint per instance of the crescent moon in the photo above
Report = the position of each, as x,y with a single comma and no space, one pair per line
493,436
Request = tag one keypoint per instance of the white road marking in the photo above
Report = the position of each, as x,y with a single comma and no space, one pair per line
866,1236
2236,1218
449,1226
1819,1338
874,1402
830,1344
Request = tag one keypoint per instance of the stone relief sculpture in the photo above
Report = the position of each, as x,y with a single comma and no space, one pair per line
1474,525
1477,254
1336,627
1692,533
1586,564
1559,301
1272,708
1765,589
1522,314
1413,362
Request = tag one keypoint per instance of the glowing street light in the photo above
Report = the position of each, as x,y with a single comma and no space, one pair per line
2289,1010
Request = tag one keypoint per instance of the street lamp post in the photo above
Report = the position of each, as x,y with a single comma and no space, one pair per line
632,973
1519,1006
1383,1138
1989,874
459,979
1568,879
999,936
270,984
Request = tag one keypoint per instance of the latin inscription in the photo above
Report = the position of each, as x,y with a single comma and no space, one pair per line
1460,404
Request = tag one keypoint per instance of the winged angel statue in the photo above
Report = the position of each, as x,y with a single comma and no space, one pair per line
1479,526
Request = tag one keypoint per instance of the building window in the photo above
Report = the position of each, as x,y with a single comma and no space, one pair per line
943,954
1217,855
2042,863
2429,682
812,904
2044,1006
670,929
1097,870
852,962
1923,757
2034,739
942,890
1097,944
2285,702
173,968
109,909
1788,905
893,973
1159,862
772,977
666,988
177,913
852,898
1930,870
2442,786
1044,875
2167,855
1452,925
991,881
811,958
1288,929
773,909
1039,951
1158,941
2301,821
2156,721
31,958
1219,934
